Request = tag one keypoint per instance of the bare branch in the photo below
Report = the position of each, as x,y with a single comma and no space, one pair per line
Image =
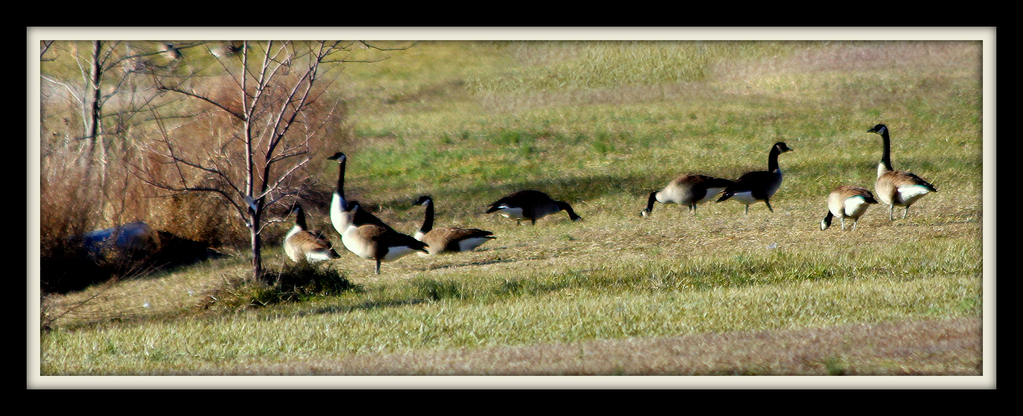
277,84
203,98
65,85
371,46
46,44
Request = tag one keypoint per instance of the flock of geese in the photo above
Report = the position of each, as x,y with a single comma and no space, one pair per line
893,187
365,235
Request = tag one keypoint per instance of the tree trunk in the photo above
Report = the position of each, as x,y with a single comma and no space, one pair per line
255,240
257,257
92,110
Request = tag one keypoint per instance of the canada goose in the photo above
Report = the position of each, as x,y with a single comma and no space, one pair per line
169,51
234,47
379,243
300,244
688,190
341,215
759,185
896,187
847,201
530,205
223,49
447,239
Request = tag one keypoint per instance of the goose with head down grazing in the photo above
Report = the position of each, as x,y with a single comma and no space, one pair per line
530,205
689,190
300,244
447,239
896,188
847,201
758,186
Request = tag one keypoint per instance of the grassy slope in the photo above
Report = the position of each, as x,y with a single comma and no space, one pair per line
470,122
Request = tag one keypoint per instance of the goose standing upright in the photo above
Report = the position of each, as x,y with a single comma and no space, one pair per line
847,201
340,215
758,185
689,190
530,205
447,239
379,243
896,187
300,244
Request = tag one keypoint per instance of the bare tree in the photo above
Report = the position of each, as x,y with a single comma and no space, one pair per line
107,72
268,99
92,98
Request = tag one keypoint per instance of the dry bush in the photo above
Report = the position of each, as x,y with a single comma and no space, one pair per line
197,216
79,195
73,203
93,184
214,137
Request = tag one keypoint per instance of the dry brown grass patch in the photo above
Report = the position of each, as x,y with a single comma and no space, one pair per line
914,347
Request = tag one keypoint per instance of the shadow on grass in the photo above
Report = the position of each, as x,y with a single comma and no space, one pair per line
69,266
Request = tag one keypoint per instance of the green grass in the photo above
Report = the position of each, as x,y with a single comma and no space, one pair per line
600,125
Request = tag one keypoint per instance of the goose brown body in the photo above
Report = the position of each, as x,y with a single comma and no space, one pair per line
896,188
300,244
689,190
847,201
379,243
447,239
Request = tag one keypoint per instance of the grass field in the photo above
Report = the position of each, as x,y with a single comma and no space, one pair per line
601,125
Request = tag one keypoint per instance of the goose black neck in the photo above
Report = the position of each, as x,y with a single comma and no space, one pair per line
567,208
650,201
772,159
300,218
886,156
341,177
428,221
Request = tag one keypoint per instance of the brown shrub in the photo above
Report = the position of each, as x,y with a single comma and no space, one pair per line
80,193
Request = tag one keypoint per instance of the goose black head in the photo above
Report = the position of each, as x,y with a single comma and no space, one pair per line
423,200
879,129
782,147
